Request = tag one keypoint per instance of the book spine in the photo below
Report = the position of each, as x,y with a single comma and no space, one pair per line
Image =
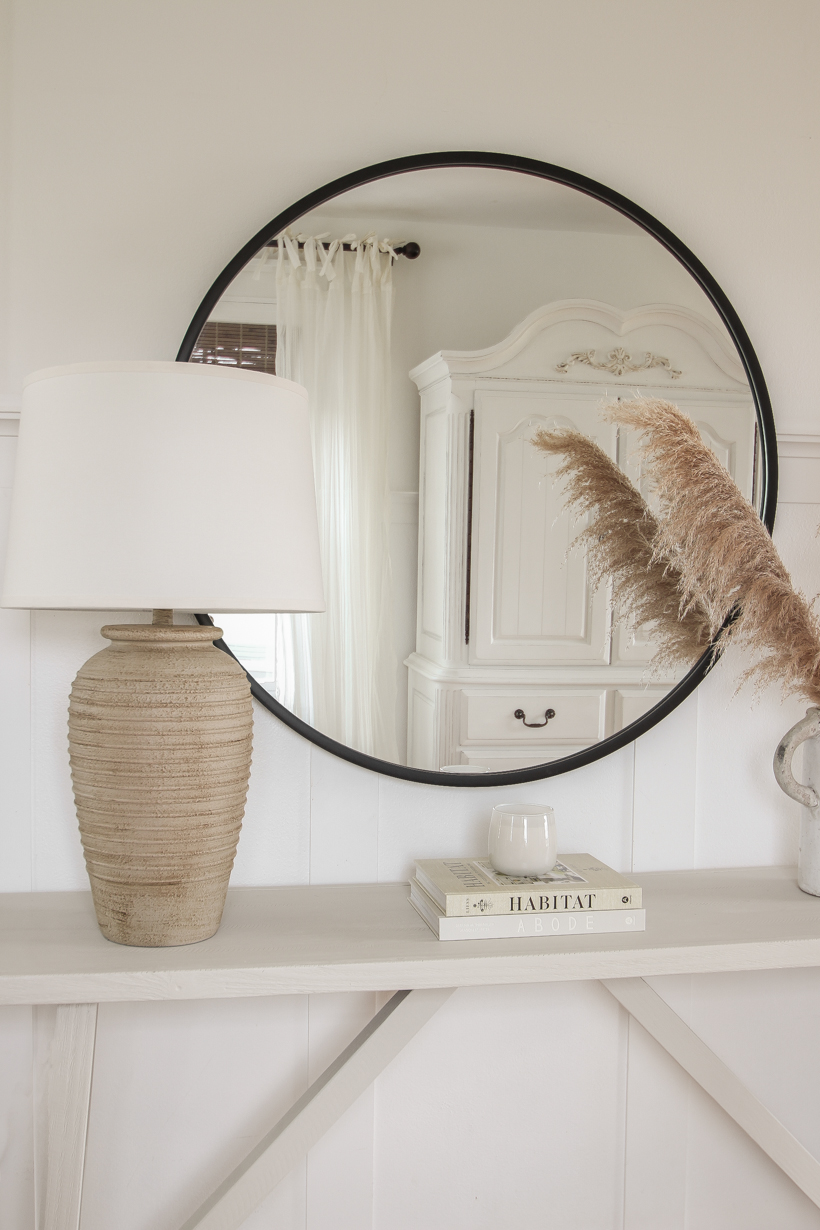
507,927
557,924
582,899
592,923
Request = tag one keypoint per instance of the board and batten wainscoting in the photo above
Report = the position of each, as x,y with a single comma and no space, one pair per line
183,1090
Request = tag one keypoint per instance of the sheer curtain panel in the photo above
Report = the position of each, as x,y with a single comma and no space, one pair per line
337,670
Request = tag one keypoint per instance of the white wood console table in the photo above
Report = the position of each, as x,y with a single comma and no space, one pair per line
283,941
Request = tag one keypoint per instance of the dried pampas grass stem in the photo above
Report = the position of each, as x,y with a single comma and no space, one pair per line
724,556
621,544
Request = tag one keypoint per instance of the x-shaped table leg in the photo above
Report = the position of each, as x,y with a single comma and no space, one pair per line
346,1079
719,1081
318,1109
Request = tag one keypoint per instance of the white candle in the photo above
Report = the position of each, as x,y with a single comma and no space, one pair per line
522,839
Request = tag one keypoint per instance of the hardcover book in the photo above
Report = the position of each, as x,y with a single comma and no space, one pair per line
518,926
471,887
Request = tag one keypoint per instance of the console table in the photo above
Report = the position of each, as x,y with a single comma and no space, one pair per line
284,941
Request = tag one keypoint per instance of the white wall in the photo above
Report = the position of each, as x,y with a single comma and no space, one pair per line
145,146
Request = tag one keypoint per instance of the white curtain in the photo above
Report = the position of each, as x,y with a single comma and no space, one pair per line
337,670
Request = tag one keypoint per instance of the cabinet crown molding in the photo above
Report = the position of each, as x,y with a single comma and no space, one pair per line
707,336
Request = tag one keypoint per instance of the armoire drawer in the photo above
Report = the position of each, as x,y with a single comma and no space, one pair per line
490,716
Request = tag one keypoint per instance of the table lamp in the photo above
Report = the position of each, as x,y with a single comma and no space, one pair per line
162,487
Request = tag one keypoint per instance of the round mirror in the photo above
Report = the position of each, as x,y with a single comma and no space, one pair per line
440,310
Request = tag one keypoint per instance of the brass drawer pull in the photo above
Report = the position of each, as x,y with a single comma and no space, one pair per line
519,713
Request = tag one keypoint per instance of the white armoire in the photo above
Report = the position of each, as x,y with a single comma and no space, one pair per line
507,622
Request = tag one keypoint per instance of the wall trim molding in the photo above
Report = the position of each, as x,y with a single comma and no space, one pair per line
798,444
799,457
10,405
798,454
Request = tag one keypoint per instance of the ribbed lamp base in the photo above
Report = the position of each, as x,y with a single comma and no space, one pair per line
159,730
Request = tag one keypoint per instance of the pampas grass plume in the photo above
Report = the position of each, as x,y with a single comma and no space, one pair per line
621,544
723,555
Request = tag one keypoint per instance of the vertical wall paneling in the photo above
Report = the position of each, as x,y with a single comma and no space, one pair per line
462,1142
15,707
17,1201
274,845
340,1166
655,1166
742,815
344,821
182,1092
663,807
8,400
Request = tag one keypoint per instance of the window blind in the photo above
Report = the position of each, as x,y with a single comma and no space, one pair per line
237,345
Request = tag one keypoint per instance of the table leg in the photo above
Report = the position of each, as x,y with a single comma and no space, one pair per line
318,1109
67,1098
719,1081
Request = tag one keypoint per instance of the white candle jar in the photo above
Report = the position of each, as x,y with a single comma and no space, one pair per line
522,839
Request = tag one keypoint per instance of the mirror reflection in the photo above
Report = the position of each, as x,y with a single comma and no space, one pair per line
438,319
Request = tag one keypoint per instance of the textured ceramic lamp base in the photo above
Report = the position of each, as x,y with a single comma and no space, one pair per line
160,726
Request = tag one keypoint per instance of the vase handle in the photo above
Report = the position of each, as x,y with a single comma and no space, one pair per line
805,729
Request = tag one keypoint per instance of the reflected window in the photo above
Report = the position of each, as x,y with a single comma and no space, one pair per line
237,345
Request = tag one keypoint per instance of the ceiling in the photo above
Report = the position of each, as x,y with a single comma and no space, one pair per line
480,196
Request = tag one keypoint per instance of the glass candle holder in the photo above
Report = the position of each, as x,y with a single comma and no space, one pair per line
522,839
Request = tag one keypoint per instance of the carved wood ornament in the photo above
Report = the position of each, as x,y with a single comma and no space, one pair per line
619,362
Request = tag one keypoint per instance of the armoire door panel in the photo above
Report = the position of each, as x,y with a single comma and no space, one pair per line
726,424
531,592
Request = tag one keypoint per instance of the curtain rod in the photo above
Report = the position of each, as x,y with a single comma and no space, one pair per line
411,250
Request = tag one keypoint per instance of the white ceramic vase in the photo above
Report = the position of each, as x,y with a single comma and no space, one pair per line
807,732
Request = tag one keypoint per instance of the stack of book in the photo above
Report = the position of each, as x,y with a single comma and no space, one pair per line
467,899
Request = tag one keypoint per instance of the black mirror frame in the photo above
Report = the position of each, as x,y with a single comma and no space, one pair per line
765,419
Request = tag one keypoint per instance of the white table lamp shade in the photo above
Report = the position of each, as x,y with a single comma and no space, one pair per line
163,485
